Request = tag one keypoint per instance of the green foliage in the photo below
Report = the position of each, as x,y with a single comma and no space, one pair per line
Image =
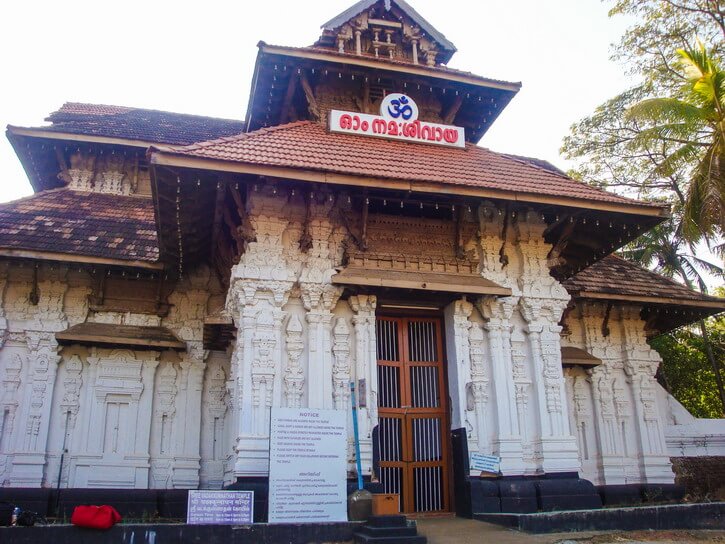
691,124
662,139
687,372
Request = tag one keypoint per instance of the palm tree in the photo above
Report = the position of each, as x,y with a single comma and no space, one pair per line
693,127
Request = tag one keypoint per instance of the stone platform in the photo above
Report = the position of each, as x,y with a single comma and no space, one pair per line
672,516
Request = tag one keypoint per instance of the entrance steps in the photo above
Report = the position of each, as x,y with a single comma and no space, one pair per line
390,530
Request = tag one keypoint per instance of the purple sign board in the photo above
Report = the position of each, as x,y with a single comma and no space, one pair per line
220,508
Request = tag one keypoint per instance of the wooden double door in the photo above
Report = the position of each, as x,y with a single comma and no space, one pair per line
413,423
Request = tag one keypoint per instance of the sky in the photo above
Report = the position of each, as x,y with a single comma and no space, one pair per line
197,57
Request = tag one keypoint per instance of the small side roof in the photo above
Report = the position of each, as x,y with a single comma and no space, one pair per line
121,336
67,225
135,124
667,304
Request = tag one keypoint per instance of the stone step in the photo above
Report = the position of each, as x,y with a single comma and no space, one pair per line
387,521
388,531
361,538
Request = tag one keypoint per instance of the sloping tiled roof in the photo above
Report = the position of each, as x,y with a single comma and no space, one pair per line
308,145
139,124
540,163
616,277
80,223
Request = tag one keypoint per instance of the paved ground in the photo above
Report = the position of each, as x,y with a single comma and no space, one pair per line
465,531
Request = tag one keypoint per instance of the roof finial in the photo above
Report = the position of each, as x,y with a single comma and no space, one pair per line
387,5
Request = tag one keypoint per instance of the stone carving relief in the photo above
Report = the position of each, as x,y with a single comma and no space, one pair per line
480,380
341,367
263,371
72,382
294,377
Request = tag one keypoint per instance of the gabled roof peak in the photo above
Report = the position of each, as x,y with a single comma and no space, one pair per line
377,20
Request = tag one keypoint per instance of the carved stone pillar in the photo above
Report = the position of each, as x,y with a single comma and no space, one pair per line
542,304
522,386
294,375
29,461
641,364
260,286
366,368
459,363
507,444
319,300
187,455
9,402
319,297
3,286
341,368
480,380
602,377
164,423
556,442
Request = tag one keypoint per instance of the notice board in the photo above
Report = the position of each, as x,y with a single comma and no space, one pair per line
307,466
220,507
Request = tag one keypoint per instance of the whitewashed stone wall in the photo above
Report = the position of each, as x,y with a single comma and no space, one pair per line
144,418
627,427
127,418
299,344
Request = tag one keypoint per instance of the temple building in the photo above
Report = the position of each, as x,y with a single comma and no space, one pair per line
174,277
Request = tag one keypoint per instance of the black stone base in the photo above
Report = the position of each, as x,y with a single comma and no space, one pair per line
664,517
635,494
531,494
182,534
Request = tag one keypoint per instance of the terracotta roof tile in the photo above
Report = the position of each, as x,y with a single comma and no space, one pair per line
139,124
616,276
79,223
310,146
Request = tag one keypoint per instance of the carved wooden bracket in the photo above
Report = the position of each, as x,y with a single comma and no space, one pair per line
452,110
306,237
34,296
460,253
502,257
311,101
605,321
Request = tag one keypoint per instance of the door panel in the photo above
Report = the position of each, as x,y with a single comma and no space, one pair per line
411,407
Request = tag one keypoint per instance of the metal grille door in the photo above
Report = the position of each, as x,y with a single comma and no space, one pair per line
411,408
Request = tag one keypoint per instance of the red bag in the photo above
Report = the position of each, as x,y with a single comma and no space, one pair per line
95,517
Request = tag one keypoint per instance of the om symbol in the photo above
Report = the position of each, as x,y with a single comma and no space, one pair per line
400,108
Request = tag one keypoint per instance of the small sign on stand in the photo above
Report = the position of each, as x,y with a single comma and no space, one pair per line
486,463
220,508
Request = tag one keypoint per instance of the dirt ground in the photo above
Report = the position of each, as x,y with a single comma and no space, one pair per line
466,531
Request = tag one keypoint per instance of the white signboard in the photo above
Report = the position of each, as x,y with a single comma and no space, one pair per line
485,463
307,466
220,508
398,120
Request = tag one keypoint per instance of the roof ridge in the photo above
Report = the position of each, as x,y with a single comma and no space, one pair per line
565,176
134,108
662,276
241,136
66,189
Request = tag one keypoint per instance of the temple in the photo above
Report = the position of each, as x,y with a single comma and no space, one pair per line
173,277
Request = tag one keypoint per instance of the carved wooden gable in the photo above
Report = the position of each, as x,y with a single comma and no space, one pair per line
410,243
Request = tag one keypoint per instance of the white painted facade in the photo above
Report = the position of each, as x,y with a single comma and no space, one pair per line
161,419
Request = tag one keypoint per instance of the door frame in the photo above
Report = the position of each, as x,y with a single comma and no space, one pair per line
446,440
